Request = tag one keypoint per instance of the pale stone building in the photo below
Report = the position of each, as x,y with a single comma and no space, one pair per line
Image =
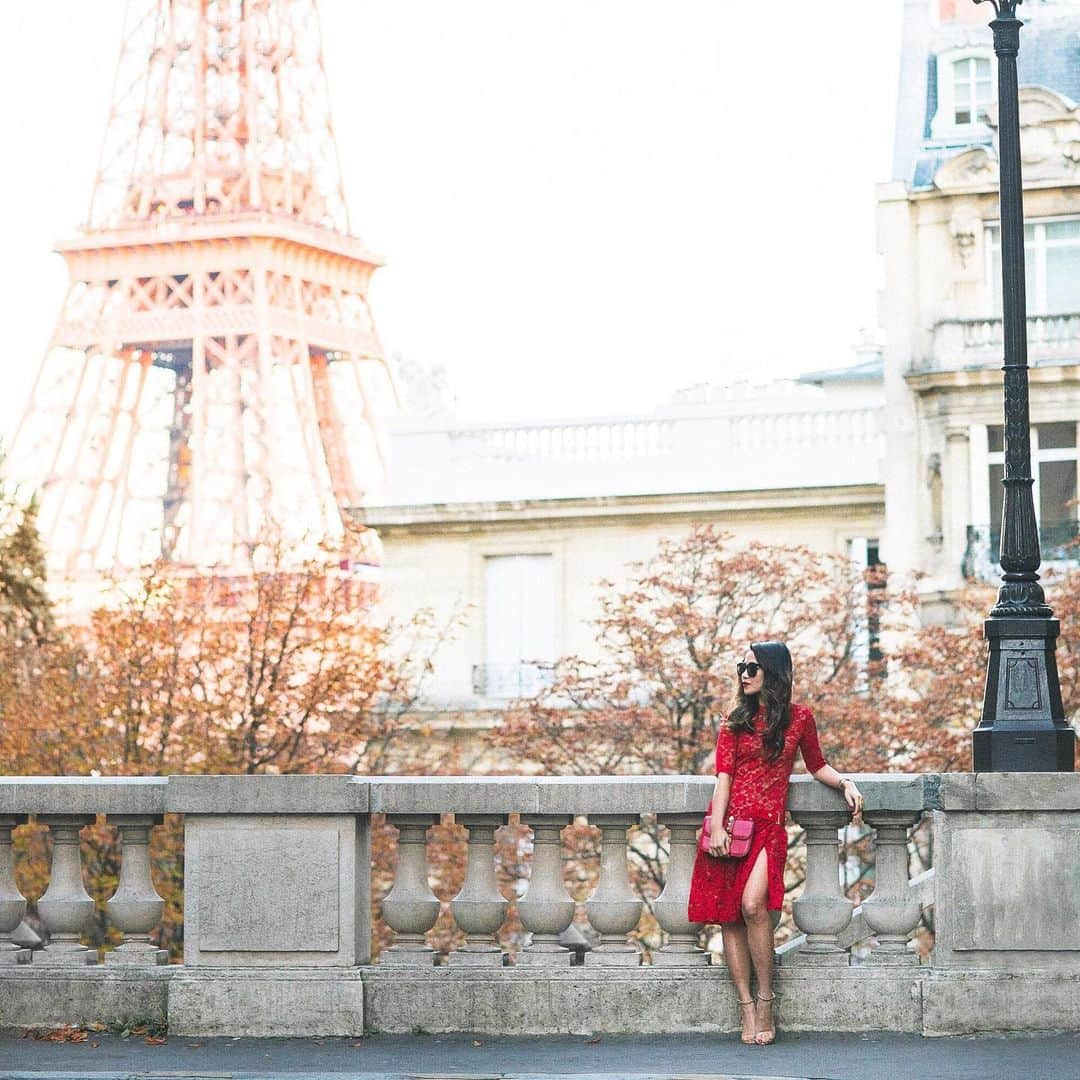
938,235
521,521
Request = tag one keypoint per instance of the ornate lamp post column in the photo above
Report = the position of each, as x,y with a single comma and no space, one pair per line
1023,727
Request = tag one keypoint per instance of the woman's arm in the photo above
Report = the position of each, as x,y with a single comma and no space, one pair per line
718,835
844,784
822,771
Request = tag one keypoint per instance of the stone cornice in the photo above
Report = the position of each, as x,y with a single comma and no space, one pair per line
963,378
468,517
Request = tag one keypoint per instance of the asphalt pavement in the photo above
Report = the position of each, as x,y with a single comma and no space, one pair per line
817,1056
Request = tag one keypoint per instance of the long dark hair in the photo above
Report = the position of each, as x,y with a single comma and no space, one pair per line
775,661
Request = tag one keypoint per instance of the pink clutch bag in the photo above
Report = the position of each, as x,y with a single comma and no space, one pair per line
742,834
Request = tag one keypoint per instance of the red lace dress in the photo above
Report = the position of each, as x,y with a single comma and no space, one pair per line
758,790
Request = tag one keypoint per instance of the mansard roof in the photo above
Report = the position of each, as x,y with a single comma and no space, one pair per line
1049,58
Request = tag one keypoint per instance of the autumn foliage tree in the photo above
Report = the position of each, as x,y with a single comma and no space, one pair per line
285,669
667,643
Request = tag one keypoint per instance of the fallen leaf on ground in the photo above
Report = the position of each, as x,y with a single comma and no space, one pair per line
67,1033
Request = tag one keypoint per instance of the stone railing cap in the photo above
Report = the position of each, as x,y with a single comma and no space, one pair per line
85,795
559,795
881,791
1009,791
266,794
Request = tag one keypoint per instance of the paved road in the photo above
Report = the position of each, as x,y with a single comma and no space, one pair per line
464,1057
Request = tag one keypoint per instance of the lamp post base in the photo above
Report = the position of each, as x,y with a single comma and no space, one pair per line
1024,749
1023,726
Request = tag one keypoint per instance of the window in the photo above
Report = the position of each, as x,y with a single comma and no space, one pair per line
865,553
1051,263
519,617
965,85
1054,466
973,90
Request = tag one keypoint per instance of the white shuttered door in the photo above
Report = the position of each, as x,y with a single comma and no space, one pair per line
520,609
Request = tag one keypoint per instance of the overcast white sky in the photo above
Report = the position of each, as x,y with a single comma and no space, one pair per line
584,204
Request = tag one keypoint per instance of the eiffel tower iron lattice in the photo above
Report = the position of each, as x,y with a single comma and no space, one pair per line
215,366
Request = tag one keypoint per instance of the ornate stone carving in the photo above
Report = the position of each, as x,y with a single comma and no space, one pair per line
966,227
972,169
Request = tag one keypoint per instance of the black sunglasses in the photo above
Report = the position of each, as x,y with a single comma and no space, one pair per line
750,669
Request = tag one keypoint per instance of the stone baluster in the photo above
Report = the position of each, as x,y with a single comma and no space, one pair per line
669,907
12,903
546,909
614,909
822,911
890,910
135,908
66,908
479,909
410,908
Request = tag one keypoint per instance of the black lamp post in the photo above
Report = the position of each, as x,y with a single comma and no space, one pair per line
1023,728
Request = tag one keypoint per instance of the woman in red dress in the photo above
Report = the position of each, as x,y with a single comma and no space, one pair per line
755,752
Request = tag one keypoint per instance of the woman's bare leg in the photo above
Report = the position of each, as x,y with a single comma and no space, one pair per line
759,936
737,958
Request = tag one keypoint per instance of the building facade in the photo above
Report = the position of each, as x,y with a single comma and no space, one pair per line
520,523
939,239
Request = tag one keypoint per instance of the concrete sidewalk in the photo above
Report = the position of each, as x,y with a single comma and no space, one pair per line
405,1057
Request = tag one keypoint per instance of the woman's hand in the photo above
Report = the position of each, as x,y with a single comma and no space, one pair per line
852,796
719,839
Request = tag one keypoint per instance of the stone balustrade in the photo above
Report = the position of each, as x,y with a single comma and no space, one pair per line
278,907
964,343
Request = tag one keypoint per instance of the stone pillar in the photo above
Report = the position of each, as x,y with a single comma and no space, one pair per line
614,909
546,910
479,909
822,911
410,907
958,502
66,908
12,903
890,910
135,908
670,906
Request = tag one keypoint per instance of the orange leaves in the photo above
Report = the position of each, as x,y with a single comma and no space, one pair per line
889,693
669,638
284,669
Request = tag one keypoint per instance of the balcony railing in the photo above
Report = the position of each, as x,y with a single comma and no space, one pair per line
277,903
511,680
965,343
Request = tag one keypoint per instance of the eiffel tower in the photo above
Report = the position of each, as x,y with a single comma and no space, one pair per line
215,366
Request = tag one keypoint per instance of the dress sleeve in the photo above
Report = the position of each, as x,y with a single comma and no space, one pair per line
809,746
725,750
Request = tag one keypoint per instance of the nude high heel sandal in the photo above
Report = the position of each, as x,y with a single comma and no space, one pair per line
768,1036
753,1038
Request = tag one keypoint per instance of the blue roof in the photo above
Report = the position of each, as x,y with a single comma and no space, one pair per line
865,371
1049,56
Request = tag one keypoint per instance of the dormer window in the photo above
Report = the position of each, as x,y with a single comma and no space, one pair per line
973,90
965,91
